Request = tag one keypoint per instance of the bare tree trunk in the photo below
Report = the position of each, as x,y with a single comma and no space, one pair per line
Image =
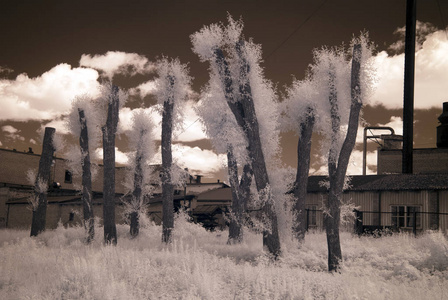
42,182
303,167
109,131
337,172
244,112
86,179
137,193
167,160
236,216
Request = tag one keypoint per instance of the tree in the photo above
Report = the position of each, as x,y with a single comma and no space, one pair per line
238,80
346,89
81,124
86,178
226,137
42,182
172,87
300,113
113,99
141,141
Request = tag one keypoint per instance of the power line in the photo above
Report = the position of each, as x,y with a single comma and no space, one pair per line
279,46
297,29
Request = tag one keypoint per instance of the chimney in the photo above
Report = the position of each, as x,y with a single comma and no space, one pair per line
442,129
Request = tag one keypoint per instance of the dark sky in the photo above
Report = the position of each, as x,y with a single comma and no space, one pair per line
38,35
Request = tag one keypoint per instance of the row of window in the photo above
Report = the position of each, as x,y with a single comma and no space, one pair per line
402,215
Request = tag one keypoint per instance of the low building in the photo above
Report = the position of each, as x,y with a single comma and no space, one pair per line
64,198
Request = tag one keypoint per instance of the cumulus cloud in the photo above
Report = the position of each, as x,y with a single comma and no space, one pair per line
431,76
117,62
46,96
191,128
58,124
197,160
12,133
144,89
120,157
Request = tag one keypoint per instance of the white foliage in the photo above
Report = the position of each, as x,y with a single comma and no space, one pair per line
207,40
59,143
178,176
173,86
300,101
91,115
40,187
141,140
219,122
31,176
264,97
100,105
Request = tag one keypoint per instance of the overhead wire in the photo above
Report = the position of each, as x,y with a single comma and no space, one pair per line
280,45
296,29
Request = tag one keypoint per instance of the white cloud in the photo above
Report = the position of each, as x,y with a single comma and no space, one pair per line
144,89
46,96
198,161
117,62
120,157
33,141
58,124
9,129
12,133
355,164
431,75
192,127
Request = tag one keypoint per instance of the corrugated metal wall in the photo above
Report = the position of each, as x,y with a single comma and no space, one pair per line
384,200
443,208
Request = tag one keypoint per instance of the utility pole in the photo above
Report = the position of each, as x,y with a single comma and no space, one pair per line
408,103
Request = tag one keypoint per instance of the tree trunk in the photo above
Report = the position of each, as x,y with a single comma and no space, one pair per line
167,160
244,111
42,182
109,131
137,193
303,167
337,172
86,179
236,216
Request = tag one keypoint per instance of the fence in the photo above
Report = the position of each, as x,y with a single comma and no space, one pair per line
367,222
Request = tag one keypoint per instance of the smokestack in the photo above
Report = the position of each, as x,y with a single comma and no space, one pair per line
442,129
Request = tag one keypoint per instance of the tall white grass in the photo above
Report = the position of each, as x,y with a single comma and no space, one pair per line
200,265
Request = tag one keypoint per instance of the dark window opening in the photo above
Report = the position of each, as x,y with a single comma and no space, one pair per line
405,216
68,177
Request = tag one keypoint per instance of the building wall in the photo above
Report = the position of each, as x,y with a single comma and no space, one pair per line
15,166
20,215
372,202
425,161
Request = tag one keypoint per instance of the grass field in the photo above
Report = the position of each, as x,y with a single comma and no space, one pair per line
200,265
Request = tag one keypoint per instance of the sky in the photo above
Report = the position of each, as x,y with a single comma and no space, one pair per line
53,51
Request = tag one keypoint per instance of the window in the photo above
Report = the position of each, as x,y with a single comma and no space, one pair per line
68,176
403,216
311,214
